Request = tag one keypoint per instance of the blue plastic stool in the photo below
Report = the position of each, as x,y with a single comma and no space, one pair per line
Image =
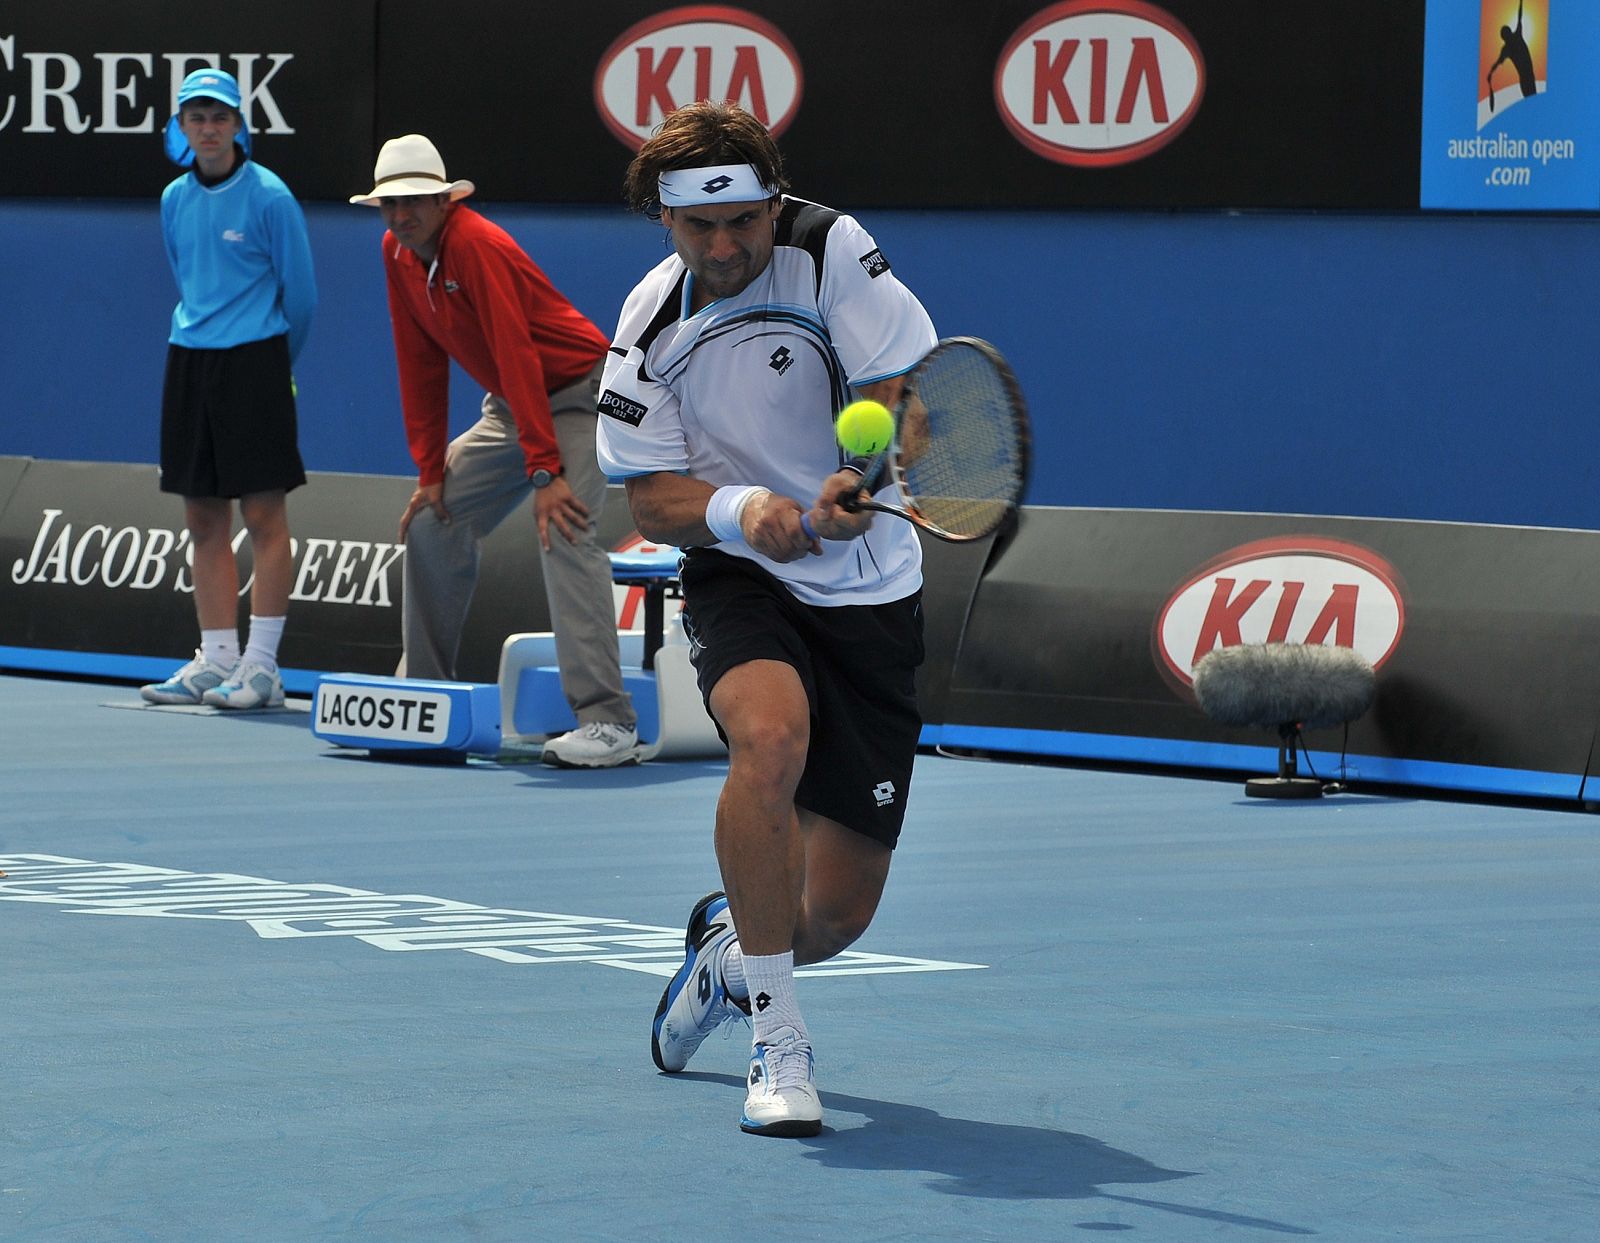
655,568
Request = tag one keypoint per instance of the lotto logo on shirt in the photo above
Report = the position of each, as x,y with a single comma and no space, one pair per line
875,264
615,405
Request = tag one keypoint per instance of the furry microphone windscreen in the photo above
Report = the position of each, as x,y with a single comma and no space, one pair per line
1273,684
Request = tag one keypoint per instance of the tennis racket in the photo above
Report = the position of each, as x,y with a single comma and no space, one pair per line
959,459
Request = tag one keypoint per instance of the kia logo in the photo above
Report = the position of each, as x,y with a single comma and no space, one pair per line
1099,82
1291,589
682,56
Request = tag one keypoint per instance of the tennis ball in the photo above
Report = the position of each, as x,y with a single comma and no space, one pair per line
865,427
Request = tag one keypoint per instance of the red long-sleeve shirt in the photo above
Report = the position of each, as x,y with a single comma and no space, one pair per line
489,307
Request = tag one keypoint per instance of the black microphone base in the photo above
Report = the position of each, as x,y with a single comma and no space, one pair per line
1283,787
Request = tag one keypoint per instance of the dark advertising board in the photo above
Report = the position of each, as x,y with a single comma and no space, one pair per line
1253,103
87,86
1484,639
1077,635
94,559
1109,103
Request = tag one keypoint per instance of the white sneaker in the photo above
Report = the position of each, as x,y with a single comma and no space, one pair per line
599,744
783,1090
189,684
249,686
696,1002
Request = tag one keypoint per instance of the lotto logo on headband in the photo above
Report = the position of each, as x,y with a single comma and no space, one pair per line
733,183
616,406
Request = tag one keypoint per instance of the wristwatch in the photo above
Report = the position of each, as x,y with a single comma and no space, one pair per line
543,479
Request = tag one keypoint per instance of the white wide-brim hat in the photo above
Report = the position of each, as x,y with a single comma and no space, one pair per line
410,165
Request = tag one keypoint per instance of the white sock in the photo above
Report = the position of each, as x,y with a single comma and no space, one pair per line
733,971
772,999
265,632
221,647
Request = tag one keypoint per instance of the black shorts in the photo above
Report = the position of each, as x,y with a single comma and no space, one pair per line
858,664
228,425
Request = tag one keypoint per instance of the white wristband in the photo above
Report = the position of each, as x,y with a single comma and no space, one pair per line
726,507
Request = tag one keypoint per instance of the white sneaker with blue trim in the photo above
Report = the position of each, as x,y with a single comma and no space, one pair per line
696,1002
189,684
783,1097
249,686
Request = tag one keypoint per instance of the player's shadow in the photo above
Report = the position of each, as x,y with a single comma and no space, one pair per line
995,1161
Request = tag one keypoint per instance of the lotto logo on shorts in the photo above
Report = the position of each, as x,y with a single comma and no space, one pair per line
874,263
883,792
617,406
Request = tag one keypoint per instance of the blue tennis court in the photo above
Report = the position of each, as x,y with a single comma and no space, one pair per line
257,988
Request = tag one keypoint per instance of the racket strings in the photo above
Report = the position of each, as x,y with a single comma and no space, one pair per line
961,454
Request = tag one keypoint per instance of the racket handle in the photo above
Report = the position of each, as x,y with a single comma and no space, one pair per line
805,525
871,471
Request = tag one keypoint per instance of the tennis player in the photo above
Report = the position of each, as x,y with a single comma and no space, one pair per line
728,364
236,240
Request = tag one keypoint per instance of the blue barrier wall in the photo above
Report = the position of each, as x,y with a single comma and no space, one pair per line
1432,367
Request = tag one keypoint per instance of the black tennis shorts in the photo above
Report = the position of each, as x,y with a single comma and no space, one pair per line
858,664
228,425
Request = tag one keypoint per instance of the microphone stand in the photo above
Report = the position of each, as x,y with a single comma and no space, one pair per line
1288,783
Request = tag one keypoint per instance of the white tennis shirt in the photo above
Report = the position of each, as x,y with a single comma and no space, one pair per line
745,390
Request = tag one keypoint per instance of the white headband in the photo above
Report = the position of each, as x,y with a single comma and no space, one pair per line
725,183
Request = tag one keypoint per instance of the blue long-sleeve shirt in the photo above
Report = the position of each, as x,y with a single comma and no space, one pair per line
242,260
